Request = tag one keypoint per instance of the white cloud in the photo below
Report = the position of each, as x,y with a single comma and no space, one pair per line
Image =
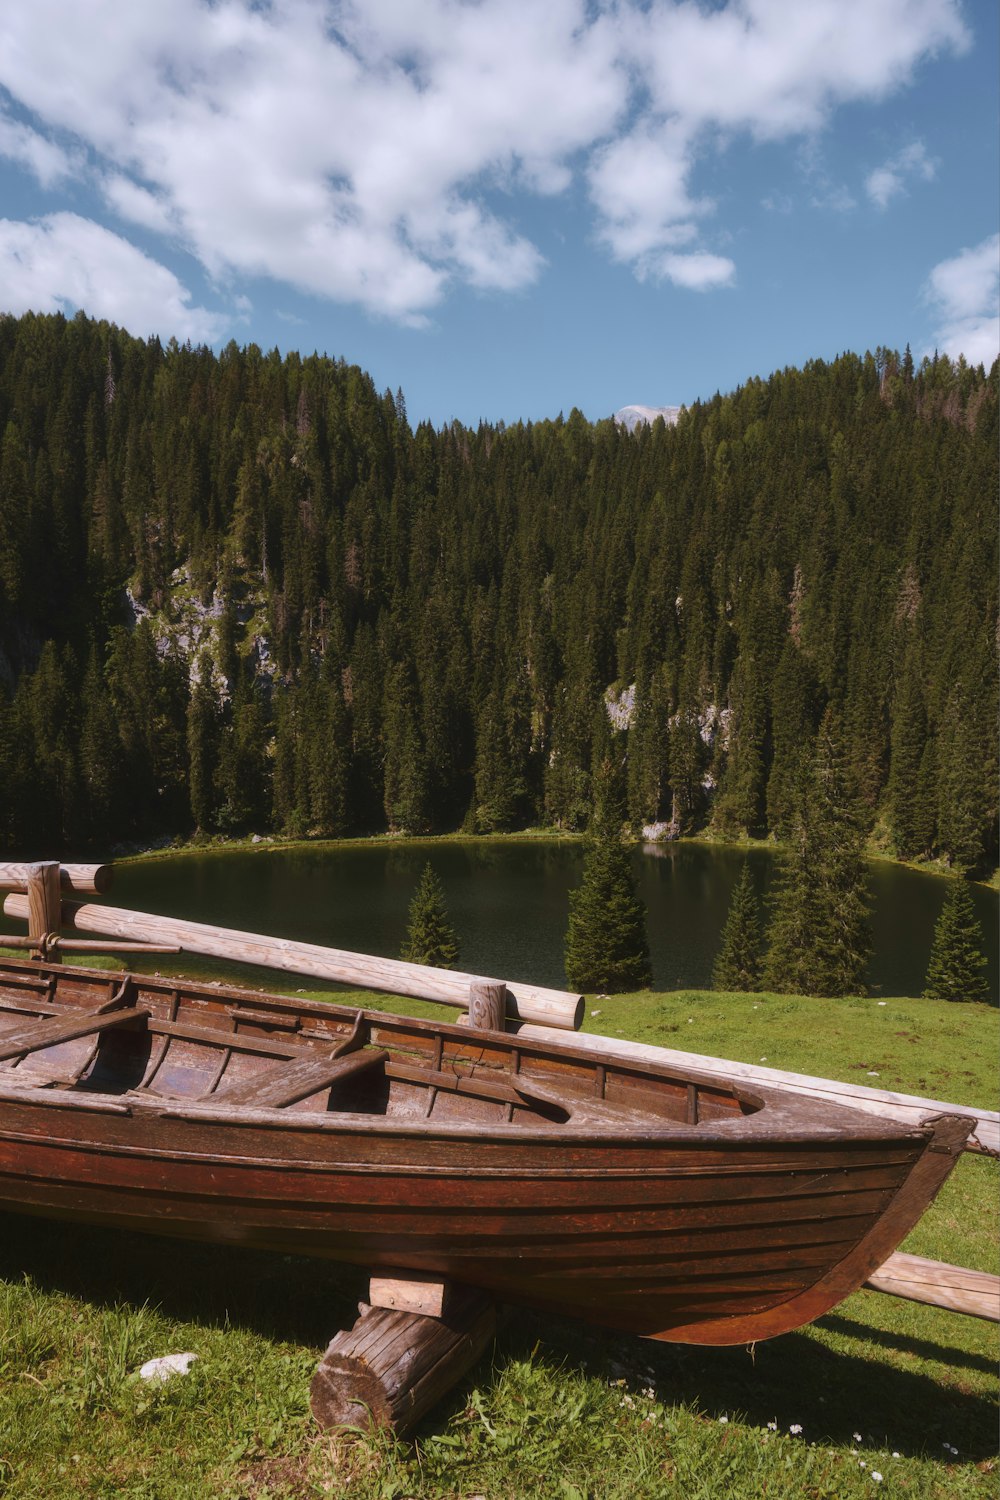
700,272
965,292
64,262
45,160
369,150
889,180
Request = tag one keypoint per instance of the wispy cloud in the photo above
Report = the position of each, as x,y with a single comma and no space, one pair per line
890,179
361,151
64,262
965,292
45,160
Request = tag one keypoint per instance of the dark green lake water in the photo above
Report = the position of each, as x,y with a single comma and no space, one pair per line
508,902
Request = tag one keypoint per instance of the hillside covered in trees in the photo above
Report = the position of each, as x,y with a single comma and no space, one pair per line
239,593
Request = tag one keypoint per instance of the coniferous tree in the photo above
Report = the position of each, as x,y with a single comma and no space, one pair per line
818,938
606,945
430,937
738,965
956,969
203,739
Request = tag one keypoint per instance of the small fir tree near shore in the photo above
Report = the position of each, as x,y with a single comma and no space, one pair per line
606,945
956,969
430,937
818,938
738,966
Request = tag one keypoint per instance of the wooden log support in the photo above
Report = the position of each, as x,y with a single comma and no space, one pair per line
525,1002
84,880
940,1285
44,907
487,1005
393,1366
411,1293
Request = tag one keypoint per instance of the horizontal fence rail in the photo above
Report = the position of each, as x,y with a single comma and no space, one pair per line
525,1002
83,880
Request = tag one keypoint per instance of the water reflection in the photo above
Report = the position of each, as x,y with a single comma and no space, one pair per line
509,902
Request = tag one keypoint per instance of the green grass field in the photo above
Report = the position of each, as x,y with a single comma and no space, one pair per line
880,1396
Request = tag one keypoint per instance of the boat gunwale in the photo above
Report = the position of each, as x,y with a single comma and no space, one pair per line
773,1115
802,1129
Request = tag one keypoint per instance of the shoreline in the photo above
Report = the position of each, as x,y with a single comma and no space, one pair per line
252,844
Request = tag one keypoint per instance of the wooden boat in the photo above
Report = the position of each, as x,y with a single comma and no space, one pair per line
671,1204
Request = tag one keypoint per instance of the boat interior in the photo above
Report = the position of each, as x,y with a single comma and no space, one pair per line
132,1037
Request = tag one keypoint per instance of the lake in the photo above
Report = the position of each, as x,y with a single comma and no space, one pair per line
509,902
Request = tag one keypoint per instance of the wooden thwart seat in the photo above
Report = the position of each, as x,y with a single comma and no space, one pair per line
56,1029
289,1082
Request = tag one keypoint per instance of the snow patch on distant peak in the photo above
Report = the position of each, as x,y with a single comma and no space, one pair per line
632,416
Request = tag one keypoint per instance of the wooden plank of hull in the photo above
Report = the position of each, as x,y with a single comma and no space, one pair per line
454,1222
985,1138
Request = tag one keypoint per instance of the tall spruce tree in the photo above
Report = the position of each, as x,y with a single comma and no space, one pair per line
606,945
738,966
430,937
956,970
818,937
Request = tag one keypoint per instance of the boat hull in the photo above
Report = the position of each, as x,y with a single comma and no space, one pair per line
712,1243
674,1207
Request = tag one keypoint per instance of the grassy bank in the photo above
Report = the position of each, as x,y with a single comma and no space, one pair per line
219,844
879,1387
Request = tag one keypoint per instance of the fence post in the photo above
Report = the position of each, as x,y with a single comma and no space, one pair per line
44,905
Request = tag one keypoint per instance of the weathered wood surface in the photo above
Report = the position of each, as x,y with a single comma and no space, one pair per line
908,1108
44,905
84,880
411,1293
487,1006
554,1008
976,1293
393,1366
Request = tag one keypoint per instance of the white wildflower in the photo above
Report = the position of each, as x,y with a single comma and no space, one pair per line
857,1437
772,1426
795,1428
876,1476
883,1002
723,1420
895,1454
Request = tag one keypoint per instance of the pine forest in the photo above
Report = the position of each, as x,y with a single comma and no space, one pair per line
240,593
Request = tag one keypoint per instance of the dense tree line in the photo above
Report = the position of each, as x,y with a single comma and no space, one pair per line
241,593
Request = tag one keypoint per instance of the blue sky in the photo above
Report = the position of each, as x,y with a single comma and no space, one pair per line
510,208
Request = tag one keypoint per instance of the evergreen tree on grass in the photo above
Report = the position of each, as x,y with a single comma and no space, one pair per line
739,962
957,963
430,937
818,938
606,945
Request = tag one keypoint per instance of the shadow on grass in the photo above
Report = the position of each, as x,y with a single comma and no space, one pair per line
793,1379
905,1342
283,1298
796,1378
